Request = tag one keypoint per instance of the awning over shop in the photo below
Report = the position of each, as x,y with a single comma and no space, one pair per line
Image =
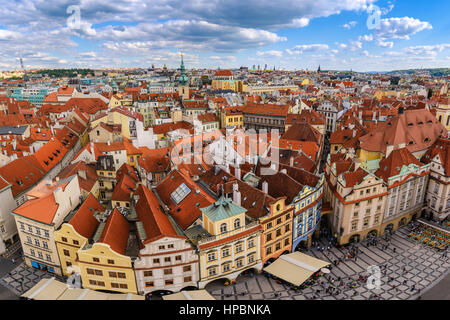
51,289
46,289
190,295
295,267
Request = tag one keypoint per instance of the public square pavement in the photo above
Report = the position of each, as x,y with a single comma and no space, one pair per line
425,269
21,279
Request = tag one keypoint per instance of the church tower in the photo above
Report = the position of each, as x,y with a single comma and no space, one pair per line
183,82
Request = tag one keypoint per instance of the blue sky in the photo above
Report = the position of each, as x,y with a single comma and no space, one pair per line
288,34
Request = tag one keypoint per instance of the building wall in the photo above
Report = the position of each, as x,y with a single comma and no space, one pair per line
100,267
166,264
8,229
68,242
276,237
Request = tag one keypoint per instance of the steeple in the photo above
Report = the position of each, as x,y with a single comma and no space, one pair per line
183,79
318,70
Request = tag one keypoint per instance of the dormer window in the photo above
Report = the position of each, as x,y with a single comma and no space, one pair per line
426,140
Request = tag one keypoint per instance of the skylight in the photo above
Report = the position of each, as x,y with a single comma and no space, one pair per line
180,193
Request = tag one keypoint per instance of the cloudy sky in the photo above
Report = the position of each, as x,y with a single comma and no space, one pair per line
363,35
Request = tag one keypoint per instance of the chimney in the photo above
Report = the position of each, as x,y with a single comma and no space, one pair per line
92,149
291,161
237,172
354,133
265,187
236,194
109,143
389,149
82,174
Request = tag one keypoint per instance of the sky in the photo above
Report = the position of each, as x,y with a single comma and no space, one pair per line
358,35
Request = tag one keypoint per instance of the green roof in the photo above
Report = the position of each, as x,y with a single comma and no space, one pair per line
223,208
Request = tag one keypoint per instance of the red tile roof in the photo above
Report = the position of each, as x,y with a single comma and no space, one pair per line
116,232
84,221
21,174
156,223
442,148
392,165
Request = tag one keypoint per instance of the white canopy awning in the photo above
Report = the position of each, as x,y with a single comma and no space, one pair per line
295,267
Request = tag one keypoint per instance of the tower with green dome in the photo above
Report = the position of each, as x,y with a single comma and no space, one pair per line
183,82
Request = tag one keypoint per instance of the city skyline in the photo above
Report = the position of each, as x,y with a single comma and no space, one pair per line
300,35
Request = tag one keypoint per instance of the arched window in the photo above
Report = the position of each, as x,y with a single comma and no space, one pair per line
237,223
223,228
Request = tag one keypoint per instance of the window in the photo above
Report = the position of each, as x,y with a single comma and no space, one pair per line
187,268
36,242
223,228
66,252
278,232
114,285
366,222
63,239
149,284
251,258
268,237
32,252
40,255
268,250
162,247
212,271
121,275
177,258
251,243
96,259
187,279
170,246
279,221
167,271
354,225
355,214
30,228
68,264
167,259
112,274
168,282
278,246
288,216
98,272
29,239
226,267
239,263
75,242
211,256
286,241
123,286
156,260
225,252
180,193
287,228
237,223
110,261
148,273
239,247
269,225
90,271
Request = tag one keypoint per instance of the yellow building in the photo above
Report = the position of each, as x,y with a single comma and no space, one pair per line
224,80
105,265
74,234
443,113
232,245
231,117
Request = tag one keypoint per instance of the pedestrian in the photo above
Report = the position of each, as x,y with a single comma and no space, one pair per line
395,249
13,261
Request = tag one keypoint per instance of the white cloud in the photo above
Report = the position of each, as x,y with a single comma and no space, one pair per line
400,28
366,37
270,53
350,25
385,44
299,49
